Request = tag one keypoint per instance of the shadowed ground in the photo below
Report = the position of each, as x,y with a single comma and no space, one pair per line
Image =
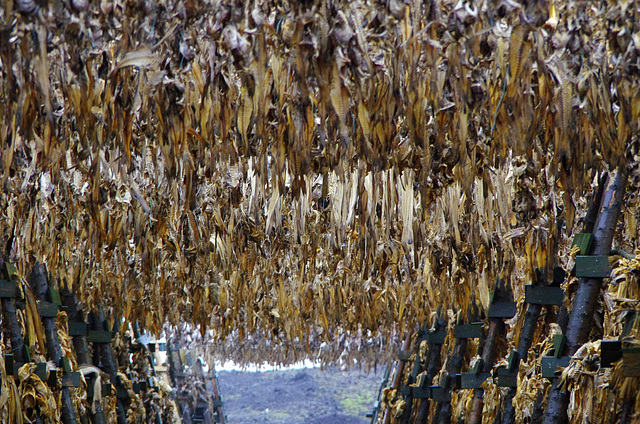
307,396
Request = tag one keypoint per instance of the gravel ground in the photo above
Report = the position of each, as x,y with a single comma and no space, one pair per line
304,396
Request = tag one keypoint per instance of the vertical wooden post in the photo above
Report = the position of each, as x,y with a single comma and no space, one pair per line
177,378
38,282
443,416
586,297
433,365
398,377
489,355
110,365
147,353
11,328
81,347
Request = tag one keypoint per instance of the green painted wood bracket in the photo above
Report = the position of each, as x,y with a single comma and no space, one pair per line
41,371
610,352
593,266
98,336
106,388
437,337
439,394
404,355
71,379
541,295
559,340
469,331
405,390
505,310
513,360
217,403
421,392
78,329
584,241
8,363
551,363
55,296
10,271
122,393
47,309
506,377
629,322
8,289
477,366
66,364
473,381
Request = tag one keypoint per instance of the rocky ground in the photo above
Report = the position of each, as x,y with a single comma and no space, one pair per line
303,396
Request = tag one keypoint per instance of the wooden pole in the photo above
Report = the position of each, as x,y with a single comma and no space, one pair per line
110,365
533,310
496,332
489,354
81,347
175,372
433,365
443,416
398,377
147,353
38,283
406,415
11,328
586,297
